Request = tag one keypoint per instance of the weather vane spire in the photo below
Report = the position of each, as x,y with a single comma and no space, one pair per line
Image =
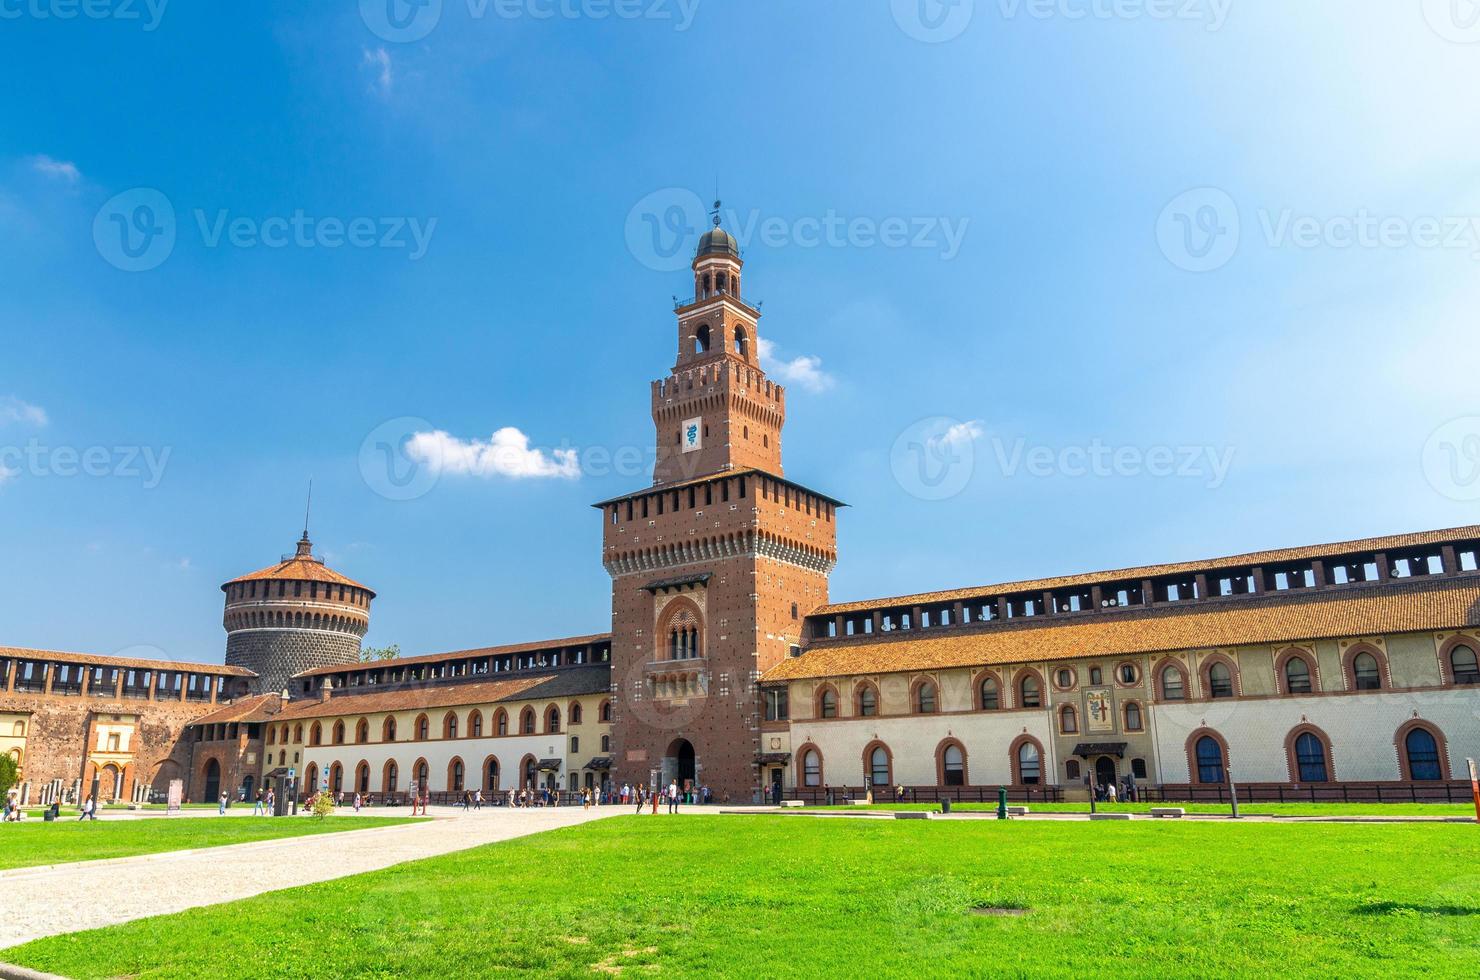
308,508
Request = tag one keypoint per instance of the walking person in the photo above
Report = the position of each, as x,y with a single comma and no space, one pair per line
271,810
85,811
637,795
673,797
478,800
221,806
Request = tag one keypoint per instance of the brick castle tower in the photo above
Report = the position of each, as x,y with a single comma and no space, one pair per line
294,616
713,567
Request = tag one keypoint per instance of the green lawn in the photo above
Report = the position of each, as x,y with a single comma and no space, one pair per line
781,896
31,842
1278,809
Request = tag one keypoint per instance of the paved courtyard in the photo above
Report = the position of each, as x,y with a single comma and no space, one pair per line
44,901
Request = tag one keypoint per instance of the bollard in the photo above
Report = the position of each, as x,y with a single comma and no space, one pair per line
1002,803
945,805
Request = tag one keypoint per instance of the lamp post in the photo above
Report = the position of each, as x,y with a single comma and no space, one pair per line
1232,787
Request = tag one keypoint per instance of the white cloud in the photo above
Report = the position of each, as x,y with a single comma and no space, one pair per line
804,370
959,434
12,409
58,169
379,61
506,454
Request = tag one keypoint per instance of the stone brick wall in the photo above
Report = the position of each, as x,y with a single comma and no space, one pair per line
275,655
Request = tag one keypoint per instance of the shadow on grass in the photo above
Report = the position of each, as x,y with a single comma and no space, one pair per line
1398,908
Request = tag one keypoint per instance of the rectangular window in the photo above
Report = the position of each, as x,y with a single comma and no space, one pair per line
776,705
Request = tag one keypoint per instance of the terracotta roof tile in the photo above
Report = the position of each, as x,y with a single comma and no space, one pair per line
300,569
1275,557
258,707
430,658
189,666
1434,604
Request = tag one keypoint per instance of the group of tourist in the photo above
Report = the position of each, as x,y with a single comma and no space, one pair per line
1123,792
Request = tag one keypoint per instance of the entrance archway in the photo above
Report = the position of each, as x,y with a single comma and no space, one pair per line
248,785
679,763
1104,771
109,783
213,781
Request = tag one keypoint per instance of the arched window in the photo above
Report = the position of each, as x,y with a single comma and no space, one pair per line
701,339
742,343
388,730
1029,764
828,703
1068,720
526,722
501,722
490,774
878,766
311,778
606,743
1463,666
925,698
1297,675
1366,674
1071,770
953,766
1132,717
990,701
392,777
1209,760
362,777
339,733
298,733
362,732
336,778
455,775
423,775
1030,693
552,719
1220,681
1310,758
606,711
423,728
811,768
449,725
1422,751
575,713
868,701
1064,678
316,734
1173,685
475,724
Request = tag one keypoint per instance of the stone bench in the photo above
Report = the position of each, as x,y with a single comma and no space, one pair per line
1109,816
1168,811
792,803
1017,811
913,815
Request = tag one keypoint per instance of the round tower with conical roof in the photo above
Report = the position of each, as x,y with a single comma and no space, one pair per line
294,616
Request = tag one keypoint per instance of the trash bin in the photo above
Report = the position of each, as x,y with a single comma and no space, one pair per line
49,814
945,805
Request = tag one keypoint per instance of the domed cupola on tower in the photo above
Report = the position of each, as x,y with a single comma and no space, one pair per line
717,410
294,616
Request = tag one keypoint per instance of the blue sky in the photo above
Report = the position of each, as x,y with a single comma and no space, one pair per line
1131,281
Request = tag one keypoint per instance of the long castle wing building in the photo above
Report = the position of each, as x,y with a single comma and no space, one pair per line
1339,671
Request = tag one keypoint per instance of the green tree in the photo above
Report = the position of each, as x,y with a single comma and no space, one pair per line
371,654
10,774
323,804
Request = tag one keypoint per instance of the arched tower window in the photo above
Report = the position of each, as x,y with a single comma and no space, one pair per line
742,343
701,339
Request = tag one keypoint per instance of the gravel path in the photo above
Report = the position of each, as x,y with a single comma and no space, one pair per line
91,894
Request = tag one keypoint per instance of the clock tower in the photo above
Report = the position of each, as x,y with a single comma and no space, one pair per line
716,565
